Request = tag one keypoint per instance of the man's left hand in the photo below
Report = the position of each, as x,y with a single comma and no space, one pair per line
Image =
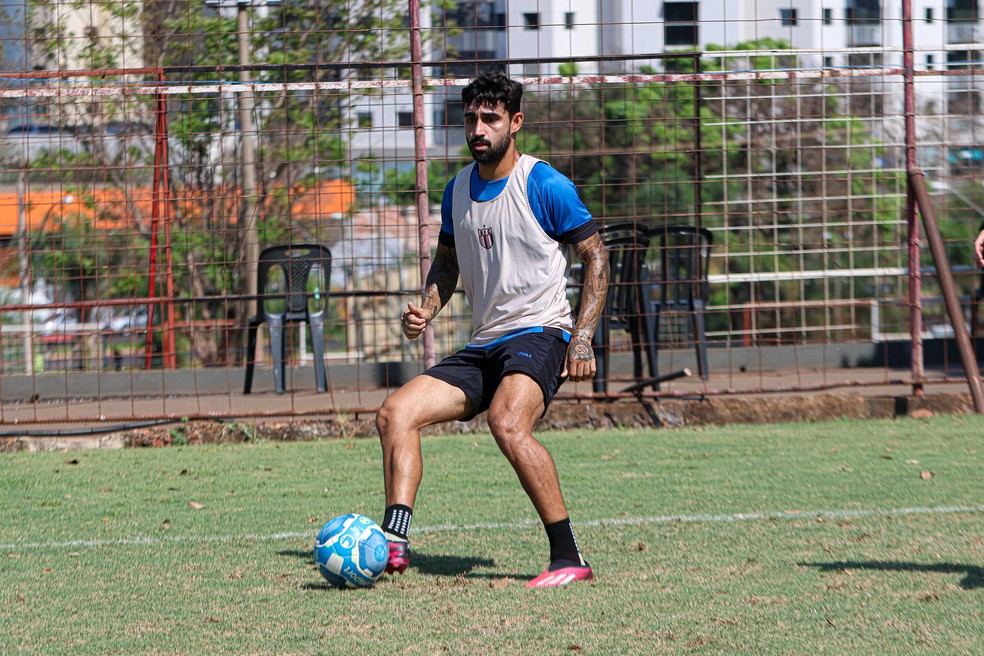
580,364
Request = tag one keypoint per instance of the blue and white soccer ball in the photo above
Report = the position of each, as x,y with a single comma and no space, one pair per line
351,551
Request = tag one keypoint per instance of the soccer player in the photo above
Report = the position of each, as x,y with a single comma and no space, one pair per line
508,225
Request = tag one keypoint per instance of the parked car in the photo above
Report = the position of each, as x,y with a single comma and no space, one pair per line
59,322
126,139
26,142
134,319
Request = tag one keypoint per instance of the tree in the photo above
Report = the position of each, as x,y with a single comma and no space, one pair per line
631,149
809,192
302,135
820,192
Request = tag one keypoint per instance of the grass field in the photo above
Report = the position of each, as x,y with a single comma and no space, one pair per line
847,537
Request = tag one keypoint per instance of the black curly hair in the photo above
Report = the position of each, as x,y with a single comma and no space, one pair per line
491,88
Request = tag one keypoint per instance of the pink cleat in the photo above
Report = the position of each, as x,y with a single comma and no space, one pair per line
561,573
399,557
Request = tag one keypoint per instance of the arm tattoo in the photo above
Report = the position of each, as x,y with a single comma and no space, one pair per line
442,278
597,272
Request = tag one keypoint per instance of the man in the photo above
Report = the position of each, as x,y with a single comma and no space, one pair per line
508,222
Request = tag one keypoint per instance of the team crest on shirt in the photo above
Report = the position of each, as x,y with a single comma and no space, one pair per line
485,237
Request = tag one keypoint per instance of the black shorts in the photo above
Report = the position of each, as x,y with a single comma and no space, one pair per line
478,371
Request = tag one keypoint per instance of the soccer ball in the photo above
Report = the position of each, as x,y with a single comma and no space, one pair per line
351,551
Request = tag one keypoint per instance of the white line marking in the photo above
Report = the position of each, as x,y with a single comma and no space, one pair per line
440,528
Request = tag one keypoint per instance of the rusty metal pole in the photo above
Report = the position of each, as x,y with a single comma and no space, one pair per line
160,145
24,269
169,350
918,197
967,355
420,157
915,267
250,225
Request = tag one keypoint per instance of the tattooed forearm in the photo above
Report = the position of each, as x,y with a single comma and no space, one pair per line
597,272
441,279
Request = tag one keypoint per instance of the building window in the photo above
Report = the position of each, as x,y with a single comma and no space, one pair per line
680,24
404,119
960,59
454,112
569,20
962,10
531,21
930,62
363,120
828,62
865,60
787,17
828,16
961,98
929,14
680,12
681,35
864,11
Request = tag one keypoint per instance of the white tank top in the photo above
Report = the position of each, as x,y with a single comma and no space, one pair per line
514,274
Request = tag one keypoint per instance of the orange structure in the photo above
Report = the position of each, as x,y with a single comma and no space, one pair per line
114,209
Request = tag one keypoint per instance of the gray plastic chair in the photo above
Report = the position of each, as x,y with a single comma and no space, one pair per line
292,284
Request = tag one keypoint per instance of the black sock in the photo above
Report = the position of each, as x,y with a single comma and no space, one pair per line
397,520
563,546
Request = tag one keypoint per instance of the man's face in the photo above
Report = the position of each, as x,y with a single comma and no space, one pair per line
489,131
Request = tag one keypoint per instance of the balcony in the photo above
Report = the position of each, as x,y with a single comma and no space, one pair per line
860,36
961,33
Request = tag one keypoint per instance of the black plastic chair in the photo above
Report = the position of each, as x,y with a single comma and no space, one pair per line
626,306
292,284
684,257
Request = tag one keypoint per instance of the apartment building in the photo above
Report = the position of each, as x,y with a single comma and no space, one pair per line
539,37
535,37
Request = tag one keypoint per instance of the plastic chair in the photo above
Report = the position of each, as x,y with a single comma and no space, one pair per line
292,284
626,305
684,256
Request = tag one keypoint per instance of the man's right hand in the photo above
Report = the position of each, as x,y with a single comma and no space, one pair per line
978,248
415,320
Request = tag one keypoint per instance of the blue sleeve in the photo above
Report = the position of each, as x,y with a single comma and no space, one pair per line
446,204
554,201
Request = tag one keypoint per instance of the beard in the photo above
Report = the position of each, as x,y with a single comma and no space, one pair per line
494,152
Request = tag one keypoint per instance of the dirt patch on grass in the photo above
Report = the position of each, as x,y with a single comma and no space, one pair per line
563,415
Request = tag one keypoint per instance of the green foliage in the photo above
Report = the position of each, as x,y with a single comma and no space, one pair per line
755,62
178,436
625,154
302,136
87,261
399,185
568,70
767,186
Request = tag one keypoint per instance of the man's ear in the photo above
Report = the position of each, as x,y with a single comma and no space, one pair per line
516,124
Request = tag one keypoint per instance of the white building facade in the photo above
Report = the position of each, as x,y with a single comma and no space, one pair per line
531,38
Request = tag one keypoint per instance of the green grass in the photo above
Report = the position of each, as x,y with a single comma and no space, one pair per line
101,553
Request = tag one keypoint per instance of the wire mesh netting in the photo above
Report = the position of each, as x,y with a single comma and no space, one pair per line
149,151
